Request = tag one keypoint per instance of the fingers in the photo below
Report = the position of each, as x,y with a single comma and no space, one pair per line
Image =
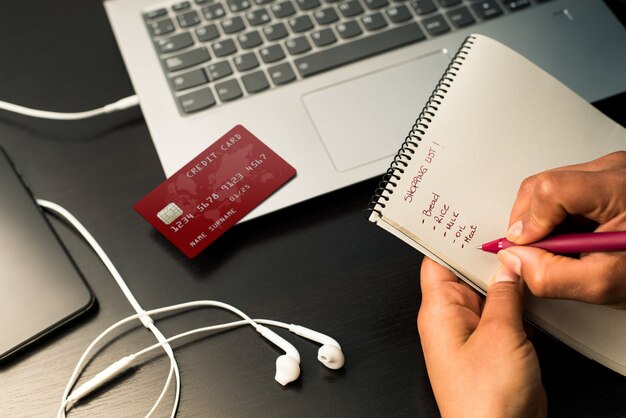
432,275
503,304
612,161
594,190
445,301
598,278
442,289
544,200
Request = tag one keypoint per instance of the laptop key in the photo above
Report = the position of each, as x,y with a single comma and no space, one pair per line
297,45
398,14
275,32
228,90
375,4
153,14
487,9
232,25
219,70
374,21
188,80
175,43
258,17
514,5
187,59
245,62
272,53
300,24
207,33
283,9
308,4
436,25
281,73
255,82
250,39
350,8
213,11
358,49
326,16
183,5
323,37
449,3
423,7
238,5
349,29
161,27
188,19
224,48
461,17
197,100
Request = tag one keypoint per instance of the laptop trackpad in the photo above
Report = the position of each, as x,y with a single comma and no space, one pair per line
367,118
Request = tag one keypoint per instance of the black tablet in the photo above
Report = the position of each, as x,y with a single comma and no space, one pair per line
40,287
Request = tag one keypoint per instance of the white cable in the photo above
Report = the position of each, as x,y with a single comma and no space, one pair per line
141,314
121,104
69,399
100,252
144,316
226,325
181,306
187,305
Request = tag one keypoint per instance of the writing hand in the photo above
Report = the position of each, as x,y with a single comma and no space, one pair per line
597,191
479,359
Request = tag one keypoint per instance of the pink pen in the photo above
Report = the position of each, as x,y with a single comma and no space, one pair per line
569,243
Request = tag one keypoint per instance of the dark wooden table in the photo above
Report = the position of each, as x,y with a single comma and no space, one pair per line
319,263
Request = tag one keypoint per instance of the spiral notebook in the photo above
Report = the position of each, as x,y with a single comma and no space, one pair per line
493,119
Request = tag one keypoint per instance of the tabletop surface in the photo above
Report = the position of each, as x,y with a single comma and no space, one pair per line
318,264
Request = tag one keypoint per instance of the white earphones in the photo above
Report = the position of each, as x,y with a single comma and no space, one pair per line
329,354
287,365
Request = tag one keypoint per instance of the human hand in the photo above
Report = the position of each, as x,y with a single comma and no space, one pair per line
595,190
479,359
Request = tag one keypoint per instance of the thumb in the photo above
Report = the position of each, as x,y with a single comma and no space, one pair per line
503,305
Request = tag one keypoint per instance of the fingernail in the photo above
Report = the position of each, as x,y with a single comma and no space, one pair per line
510,261
514,231
505,275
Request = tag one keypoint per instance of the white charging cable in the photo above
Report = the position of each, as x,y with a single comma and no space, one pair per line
121,104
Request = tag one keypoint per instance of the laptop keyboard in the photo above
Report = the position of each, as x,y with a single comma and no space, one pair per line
217,51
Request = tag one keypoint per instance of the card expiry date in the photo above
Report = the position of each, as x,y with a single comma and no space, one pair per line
211,193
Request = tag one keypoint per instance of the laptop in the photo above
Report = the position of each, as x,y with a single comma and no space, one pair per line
333,86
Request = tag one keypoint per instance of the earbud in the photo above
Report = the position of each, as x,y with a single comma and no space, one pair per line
329,354
287,365
287,369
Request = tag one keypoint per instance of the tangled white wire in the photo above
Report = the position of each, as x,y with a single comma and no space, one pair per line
287,366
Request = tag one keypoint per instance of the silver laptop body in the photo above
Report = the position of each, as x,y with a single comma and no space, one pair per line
341,126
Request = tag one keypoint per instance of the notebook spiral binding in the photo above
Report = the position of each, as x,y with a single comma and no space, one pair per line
399,162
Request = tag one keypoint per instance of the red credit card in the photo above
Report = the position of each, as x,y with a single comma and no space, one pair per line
215,190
